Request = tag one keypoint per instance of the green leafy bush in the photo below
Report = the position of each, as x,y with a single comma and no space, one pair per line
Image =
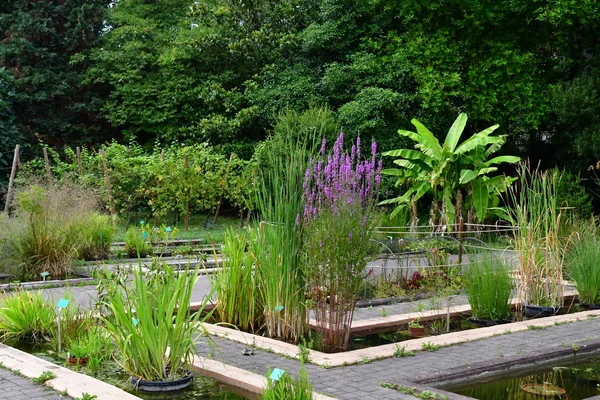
25,316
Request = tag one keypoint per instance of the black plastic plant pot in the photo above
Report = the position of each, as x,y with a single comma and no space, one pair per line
490,322
162,386
592,306
540,311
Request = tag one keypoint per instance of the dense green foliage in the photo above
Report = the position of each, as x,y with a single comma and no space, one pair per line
221,71
44,46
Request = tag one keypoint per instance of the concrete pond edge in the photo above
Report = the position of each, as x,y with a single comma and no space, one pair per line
387,351
239,378
66,381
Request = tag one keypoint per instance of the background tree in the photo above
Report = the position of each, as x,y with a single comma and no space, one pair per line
44,45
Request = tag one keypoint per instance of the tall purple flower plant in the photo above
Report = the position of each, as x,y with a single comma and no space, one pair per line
340,178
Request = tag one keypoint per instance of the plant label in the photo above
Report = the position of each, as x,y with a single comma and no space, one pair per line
135,321
168,229
142,222
279,308
63,303
276,374
145,235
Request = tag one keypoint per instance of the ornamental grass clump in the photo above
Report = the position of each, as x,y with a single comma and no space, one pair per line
340,192
26,317
488,285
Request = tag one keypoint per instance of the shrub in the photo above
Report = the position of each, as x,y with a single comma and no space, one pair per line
25,316
488,285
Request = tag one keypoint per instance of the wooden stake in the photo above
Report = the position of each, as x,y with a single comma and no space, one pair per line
162,155
460,237
107,182
186,222
47,162
222,189
11,180
79,166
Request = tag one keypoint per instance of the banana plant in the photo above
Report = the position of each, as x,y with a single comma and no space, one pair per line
446,169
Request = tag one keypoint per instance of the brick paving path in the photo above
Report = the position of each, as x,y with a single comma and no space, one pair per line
361,381
15,387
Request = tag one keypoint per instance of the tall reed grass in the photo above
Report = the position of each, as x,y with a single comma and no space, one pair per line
488,284
288,388
238,294
534,209
278,269
583,262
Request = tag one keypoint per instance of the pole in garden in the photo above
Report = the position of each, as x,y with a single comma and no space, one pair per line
222,189
62,303
186,223
107,182
47,162
11,180
79,166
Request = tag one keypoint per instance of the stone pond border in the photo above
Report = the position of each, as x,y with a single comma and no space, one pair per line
388,350
66,381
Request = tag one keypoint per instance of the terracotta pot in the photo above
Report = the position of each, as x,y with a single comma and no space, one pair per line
416,332
82,360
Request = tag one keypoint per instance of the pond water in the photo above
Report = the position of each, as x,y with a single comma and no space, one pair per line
572,381
201,387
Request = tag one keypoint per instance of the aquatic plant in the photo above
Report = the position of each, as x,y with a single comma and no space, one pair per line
340,192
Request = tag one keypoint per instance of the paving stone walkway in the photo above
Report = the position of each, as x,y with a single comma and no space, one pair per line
15,387
362,381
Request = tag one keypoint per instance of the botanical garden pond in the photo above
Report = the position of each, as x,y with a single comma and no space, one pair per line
575,380
201,388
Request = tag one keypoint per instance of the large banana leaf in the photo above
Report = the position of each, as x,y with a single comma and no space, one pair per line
480,198
428,143
482,138
455,132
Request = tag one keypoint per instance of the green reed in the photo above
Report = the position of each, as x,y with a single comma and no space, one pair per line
488,285
535,210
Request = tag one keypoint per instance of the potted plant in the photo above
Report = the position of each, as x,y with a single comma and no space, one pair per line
150,324
415,328
79,351
488,286
90,349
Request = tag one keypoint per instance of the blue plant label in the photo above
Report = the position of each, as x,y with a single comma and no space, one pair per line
45,274
135,321
142,222
145,235
279,308
276,374
63,303
168,229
